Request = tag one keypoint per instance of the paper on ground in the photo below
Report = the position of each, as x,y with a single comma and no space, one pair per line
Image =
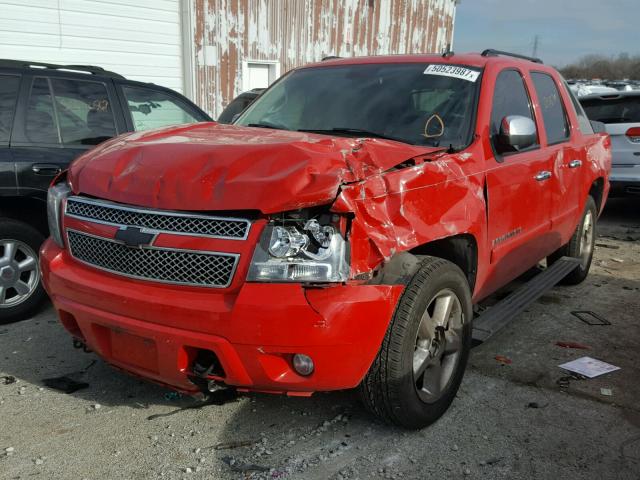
589,367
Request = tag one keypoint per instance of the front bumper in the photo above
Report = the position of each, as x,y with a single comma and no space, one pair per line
155,331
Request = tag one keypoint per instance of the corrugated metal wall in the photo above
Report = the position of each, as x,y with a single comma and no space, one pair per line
295,32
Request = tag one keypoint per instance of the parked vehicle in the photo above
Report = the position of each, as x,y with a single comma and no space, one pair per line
336,236
238,105
621,86
620,114
583,90
49,114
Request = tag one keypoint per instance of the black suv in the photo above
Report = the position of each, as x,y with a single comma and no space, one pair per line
50,114
238,105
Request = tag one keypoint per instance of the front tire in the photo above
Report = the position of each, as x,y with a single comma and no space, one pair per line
580,246
21,291
418,370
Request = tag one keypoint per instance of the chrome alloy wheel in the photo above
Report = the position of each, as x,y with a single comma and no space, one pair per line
19,272
586,239
438,345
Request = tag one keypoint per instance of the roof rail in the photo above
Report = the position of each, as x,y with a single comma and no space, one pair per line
330,57
490,52
77,68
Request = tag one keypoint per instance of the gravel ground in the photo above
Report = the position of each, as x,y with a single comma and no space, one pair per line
509,421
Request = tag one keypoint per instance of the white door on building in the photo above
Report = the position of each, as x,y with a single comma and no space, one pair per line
140,39
259,74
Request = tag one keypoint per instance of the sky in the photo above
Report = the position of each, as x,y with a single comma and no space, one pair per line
566,29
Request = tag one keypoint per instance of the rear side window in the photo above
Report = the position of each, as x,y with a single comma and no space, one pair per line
617,109
153,109
84,111
41,125
553,113
583,120
9,85
509,98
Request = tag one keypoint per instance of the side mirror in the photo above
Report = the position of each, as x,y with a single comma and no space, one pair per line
517,132
598,127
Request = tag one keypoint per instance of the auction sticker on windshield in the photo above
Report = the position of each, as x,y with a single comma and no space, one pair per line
452,71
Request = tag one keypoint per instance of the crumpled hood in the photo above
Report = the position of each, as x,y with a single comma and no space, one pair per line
210,166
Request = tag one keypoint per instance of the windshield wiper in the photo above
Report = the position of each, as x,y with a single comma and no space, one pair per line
267,125
352,131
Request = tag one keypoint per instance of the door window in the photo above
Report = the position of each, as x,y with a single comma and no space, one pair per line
81,114
84,111
153,109
552,107
9,85
583,120
41,125
510,97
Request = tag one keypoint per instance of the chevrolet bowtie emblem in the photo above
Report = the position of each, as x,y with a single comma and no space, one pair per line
134,236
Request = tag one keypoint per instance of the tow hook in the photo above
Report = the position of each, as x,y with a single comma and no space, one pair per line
79,344
214,386
205,365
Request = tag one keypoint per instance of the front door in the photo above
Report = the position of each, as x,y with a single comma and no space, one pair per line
518,189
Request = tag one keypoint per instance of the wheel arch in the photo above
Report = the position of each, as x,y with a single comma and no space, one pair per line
461,250
597,192
29,210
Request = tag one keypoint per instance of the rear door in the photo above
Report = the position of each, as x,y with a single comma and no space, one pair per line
568,157
518,188
9,88
61,117
621,116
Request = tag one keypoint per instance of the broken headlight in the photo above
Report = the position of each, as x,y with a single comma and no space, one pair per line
300,251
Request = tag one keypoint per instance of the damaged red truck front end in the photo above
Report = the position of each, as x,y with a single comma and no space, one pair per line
300,256
157,330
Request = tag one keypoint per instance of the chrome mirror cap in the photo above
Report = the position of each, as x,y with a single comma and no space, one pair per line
518,131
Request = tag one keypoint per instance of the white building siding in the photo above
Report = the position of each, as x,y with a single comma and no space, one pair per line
140,39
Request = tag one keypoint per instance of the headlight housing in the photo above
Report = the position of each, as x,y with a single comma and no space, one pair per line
300,251
56,197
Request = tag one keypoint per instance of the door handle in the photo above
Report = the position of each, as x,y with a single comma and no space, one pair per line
49,169
544,175
574,163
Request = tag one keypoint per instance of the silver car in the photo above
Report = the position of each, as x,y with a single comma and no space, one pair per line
620,112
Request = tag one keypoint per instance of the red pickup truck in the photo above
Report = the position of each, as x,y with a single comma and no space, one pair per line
336,236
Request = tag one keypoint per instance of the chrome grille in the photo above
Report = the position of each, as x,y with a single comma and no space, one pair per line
159,221
185,267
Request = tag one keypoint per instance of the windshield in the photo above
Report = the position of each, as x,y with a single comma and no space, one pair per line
613,110
420,104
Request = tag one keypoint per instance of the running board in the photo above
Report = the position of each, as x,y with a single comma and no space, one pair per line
499,315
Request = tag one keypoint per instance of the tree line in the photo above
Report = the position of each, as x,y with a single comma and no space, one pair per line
599,66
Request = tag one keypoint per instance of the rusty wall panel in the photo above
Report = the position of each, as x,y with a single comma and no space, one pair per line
295,32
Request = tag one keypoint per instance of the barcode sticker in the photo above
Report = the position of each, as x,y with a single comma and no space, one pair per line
452,71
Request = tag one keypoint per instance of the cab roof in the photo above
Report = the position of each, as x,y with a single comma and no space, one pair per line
479,60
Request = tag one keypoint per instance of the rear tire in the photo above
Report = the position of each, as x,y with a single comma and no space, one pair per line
415,376
21,291
581,245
